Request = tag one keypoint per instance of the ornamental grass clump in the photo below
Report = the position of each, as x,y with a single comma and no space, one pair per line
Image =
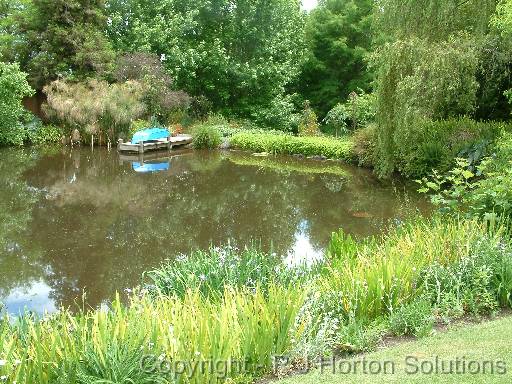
247,327
365,280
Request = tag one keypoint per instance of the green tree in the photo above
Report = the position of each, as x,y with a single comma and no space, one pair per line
503,21
13,87
427,68
338,36
12,42
63,38
240,54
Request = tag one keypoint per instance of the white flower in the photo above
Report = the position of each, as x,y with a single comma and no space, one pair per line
3,378
2,363
17,362
198,353
202,277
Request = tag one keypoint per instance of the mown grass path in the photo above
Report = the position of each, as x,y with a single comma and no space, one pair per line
488,341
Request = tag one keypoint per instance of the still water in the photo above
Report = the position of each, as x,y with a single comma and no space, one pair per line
94,221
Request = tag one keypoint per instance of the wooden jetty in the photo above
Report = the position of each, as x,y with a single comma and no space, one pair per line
130,157
144,146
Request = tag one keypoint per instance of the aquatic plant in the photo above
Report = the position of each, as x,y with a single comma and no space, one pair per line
206,136
368,279
241,334
211,271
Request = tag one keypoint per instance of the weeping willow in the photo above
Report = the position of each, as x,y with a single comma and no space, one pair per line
426,66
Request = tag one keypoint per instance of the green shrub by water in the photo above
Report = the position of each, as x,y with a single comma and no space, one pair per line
428,145
339,149
484,191
13,88
206,136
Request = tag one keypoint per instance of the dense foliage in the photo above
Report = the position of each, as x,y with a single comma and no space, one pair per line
240,55
339,149
435,65
484,191
338,36
62,38
13,87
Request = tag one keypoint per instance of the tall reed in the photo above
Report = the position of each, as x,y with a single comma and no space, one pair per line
246,327
368,279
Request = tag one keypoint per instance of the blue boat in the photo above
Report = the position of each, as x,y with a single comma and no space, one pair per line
150,134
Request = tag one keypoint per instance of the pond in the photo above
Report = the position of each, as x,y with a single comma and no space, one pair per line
82,220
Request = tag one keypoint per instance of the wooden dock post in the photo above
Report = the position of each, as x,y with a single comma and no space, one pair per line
141,147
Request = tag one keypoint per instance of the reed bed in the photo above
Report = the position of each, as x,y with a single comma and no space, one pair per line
372,278
245,328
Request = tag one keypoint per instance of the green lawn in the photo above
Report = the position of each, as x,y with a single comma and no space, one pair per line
484,343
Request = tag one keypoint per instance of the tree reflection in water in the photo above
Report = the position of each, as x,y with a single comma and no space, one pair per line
86,220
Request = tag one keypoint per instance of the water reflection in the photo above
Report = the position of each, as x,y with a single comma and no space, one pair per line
75,220
150,167
36,298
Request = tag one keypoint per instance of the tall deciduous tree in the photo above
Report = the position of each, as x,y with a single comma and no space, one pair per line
240,54
338,36
428,67
64,38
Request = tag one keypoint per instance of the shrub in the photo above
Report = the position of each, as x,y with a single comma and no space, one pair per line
206,136
46,134
479,282
340,149
279,114
308,125
357,112
161,101
415,318
13,87
200,107
431,145
487,193
365,145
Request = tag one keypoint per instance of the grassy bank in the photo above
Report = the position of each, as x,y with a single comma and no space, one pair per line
480,342
331,148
